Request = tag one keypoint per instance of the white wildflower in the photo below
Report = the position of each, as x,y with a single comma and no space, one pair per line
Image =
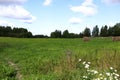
87,66
85,77
108,74
115,70
89,62
100,74
117,75
111,68
101,78
84,62
95,72
79,60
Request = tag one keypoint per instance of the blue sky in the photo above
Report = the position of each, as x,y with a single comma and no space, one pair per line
45,16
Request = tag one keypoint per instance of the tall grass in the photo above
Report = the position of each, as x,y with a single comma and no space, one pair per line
58,59
7,72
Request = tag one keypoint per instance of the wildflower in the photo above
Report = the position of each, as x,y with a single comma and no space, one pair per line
100,74
101,78
87,66
95,75
95,72
89,62
79,60
115,70
111,68
85,77
117,75
108,74
84,62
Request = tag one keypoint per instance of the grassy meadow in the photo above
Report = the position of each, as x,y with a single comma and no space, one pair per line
56,59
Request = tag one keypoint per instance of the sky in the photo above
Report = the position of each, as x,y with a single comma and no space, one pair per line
46,16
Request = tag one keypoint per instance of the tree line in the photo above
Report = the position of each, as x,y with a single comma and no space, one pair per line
7,31
15,32
105,31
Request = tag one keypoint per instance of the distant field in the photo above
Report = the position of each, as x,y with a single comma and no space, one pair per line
55,59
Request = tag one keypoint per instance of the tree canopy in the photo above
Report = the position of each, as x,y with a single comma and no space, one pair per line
15,32
95,32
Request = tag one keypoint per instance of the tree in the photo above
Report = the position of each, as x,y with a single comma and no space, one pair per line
81,35
87,32
1,31
104,31
110,31
116,30
8,31
65,34
56,34
95,32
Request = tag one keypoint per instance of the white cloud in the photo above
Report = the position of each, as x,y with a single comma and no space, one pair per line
9,2
11,9
110,1
75,20
30,20
87,8
16,12
6,23
88,3
87,11
47,2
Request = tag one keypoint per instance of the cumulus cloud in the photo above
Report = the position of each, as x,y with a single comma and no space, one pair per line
110,1
47,2
9,2
87,8
16,12
75,20
11,9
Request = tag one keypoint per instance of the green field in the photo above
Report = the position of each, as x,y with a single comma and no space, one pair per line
56,59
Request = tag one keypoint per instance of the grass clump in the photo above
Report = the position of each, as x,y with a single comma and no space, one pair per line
7,72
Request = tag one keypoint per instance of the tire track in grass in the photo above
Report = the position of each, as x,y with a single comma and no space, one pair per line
18,74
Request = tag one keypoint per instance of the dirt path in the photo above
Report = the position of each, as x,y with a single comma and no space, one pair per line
18,75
